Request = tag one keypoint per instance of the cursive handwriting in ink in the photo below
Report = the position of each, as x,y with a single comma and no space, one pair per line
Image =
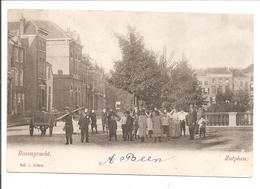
130,157
109,160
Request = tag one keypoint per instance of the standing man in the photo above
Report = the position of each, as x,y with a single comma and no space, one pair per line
112,127
93,119
68,126
129,126
104,120
83,125
199,115
182,117
192,121
123,124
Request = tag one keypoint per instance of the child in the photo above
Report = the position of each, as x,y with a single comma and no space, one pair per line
202,126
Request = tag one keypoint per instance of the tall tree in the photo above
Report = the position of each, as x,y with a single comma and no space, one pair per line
137,71
183,88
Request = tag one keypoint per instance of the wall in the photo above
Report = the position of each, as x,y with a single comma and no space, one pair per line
58,55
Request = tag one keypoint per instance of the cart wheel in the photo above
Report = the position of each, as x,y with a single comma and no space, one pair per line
50,131
31,130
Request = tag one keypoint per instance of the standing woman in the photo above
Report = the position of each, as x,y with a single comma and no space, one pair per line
165,123
136,126
149,123
157,126
175,124
142,123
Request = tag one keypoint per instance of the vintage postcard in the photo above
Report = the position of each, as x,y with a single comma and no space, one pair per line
114,92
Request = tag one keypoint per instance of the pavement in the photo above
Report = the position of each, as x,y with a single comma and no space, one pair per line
218,138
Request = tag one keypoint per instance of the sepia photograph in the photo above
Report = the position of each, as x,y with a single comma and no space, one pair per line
125,92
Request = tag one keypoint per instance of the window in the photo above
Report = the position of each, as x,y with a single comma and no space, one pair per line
21,55
40,44
206,82
16,54
15,78
200,82
220,89
241,83
49,72
21,78
227,88
213,80
214,91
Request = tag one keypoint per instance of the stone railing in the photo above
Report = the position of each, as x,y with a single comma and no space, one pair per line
244,118
217,118
229,119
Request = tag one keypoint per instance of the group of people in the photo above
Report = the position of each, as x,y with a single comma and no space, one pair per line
85,119
142,124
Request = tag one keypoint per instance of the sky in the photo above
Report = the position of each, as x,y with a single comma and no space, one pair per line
206,40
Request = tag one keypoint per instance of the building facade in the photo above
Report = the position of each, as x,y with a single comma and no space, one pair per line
33,37
97,94
49,87
214,80
56,74
15,85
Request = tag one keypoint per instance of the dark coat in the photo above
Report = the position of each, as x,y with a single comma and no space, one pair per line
68,125
84,122
192,118
104,118
93,118
129,122
112,126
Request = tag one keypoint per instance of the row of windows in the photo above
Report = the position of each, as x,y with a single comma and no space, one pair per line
42,44
17,77
214,80
222,89
42,67
18,103
220,80
18,55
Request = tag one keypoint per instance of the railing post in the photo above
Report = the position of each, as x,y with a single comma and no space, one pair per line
232,119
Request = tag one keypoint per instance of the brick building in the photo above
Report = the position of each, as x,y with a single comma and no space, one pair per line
49,87
15,85
76,81
97,94
64,52
33,37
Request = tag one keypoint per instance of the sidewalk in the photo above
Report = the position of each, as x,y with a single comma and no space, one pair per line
14,121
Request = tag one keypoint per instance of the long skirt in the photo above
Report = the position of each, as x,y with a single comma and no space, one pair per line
175,130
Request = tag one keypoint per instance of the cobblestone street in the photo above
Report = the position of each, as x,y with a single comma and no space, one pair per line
218,138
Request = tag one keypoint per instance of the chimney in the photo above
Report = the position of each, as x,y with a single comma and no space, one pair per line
21,25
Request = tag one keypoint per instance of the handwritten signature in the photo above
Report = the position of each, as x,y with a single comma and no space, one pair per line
130,157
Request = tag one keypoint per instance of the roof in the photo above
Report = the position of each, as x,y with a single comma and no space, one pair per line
54,31
218,70
238,73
